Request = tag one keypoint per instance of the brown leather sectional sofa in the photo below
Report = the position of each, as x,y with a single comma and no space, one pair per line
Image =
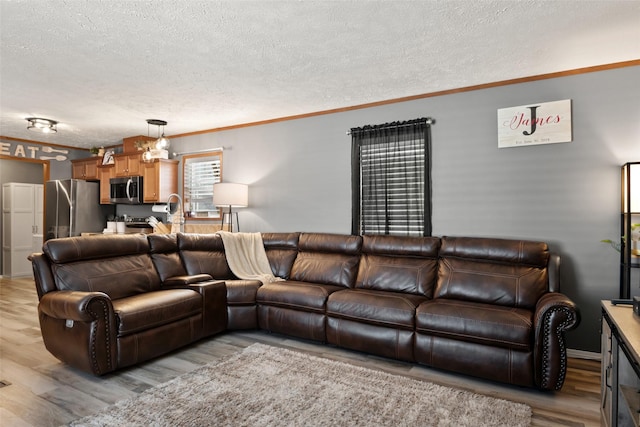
484,307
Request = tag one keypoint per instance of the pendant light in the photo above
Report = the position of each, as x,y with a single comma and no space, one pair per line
162,143
146,156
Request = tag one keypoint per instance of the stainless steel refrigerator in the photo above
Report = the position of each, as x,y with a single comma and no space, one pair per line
72,207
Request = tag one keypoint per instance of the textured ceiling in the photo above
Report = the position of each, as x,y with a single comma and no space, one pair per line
101,68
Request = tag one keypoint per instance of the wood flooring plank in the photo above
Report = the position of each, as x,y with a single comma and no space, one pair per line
31,408
16,373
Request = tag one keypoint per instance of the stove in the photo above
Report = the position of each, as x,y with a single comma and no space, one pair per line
134,222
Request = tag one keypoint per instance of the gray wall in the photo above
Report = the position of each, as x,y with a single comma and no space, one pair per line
565,194
15,171
21,150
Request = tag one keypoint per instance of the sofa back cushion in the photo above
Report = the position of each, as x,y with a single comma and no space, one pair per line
281,250
495,271
118,265
399,264
204,254
164,255
330,259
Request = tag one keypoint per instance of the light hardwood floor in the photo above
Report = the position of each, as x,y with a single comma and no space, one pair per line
41,391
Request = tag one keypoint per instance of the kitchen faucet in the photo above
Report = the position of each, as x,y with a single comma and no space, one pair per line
178,210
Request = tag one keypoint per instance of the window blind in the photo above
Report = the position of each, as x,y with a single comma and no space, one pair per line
200,173
391,188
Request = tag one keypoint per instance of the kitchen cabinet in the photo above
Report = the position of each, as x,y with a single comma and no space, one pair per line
128,164
105,173
22,222
159,180
86,169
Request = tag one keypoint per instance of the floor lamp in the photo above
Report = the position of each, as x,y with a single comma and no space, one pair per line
630,222
230,195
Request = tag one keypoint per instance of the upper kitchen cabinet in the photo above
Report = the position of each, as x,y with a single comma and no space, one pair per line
105,173
159,180
85,168
128,164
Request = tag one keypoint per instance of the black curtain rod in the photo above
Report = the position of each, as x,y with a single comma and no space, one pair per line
427,120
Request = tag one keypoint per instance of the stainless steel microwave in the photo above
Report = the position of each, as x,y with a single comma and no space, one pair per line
126,190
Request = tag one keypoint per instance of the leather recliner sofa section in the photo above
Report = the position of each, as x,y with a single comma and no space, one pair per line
485,307
103,305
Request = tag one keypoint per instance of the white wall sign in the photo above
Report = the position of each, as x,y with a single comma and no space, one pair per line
535,124
42,152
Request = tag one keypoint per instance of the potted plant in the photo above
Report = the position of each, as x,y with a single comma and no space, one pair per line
635,237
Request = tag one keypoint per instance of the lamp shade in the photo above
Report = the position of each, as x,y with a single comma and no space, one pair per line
230,194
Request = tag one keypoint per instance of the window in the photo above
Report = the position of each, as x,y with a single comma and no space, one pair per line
200,172
391,185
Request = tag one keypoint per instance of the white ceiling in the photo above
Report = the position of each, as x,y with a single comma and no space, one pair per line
101,68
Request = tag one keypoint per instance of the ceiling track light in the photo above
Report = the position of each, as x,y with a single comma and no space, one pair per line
42,125
162,143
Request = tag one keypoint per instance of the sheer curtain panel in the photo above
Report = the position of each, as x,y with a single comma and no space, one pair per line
391,178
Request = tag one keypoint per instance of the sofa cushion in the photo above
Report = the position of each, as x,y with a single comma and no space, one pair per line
519,252
162,243
281,250
399,264
169,265
204,253
118,277
296,295
242,292
152,309
493,271
165,257
330,259
487,324
392,309
74,249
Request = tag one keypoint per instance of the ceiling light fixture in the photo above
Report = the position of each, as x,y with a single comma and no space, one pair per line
42,125
162,143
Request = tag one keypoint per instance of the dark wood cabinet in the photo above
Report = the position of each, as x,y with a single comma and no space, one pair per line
620,382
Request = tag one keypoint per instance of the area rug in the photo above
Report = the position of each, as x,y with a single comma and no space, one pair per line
270,386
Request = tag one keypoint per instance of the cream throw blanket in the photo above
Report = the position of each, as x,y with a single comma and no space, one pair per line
246,256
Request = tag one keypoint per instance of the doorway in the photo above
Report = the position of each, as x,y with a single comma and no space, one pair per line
32,171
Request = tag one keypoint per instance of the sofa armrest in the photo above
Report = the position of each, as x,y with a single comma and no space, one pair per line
73,305
214,304
79,328
181,281
42,273
554,272
555,313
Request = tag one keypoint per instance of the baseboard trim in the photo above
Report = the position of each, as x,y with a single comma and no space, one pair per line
581,354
